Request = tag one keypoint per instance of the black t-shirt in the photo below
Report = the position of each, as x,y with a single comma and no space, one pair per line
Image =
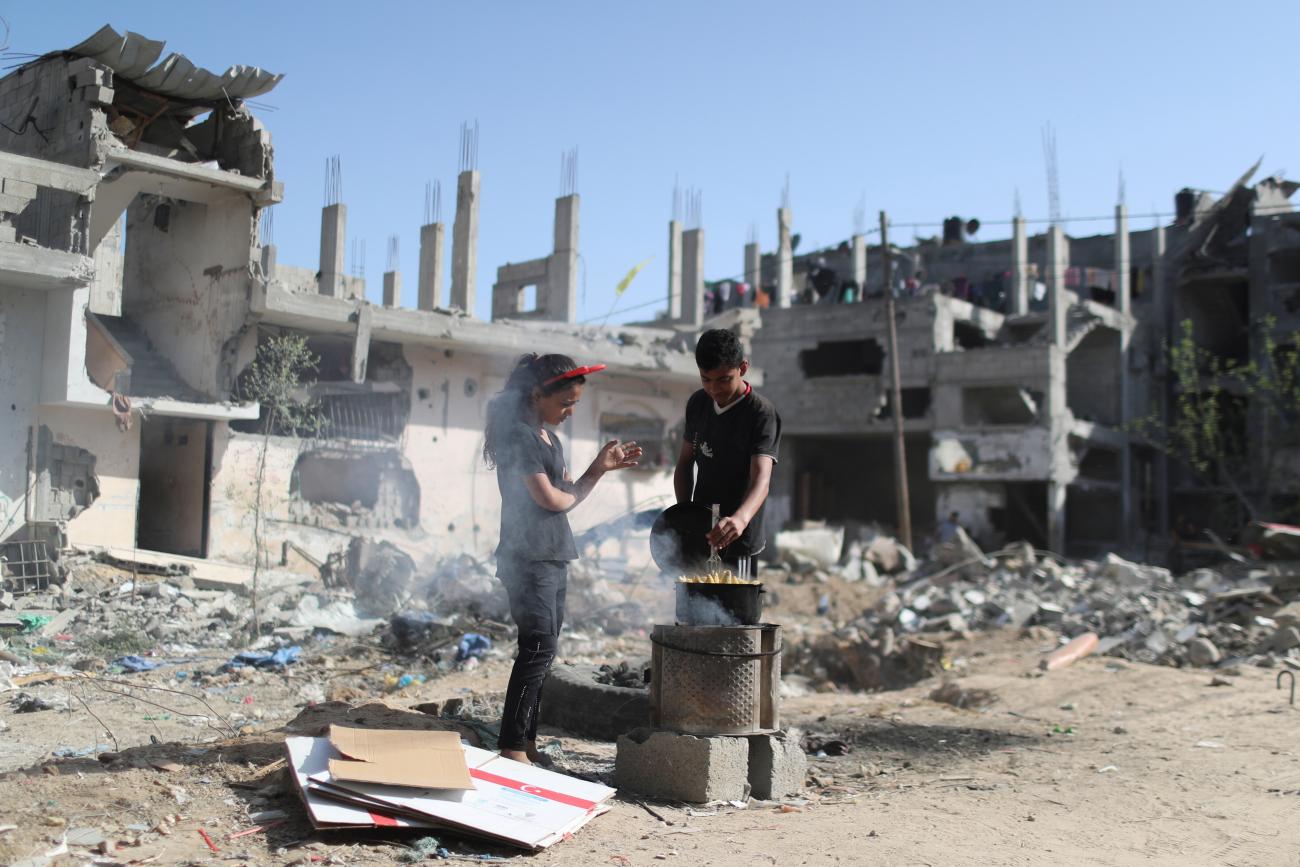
529,532
723,443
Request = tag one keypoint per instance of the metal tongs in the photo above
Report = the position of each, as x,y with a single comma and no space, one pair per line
714,562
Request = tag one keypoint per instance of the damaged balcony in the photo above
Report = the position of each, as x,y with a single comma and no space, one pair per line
121,360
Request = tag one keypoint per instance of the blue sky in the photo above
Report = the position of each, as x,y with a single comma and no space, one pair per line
924,109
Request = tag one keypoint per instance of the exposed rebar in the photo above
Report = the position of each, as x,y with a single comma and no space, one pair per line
333,180
469,146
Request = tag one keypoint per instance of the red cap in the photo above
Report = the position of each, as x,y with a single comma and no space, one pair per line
577,371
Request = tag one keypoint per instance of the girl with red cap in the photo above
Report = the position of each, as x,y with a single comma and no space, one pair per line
536,542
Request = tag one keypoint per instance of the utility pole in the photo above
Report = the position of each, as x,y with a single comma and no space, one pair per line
895,369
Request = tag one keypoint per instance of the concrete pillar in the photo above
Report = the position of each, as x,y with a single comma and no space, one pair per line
464,242
1056,516
753,268
268,262
361,341
674,270
1123,291
1019,267
1057,303
1123,302
392,288
561,302
1161,308
784,259
859,244
430,287
693,276
333,237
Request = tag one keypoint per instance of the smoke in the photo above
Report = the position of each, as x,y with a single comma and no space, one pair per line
702,611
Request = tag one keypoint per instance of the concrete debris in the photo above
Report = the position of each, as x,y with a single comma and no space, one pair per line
964,697
818,545
1140,612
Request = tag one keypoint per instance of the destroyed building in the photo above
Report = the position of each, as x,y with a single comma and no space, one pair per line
135,289
1025,363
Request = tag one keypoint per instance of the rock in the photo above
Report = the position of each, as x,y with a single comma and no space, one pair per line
1202,651
1285,639
1049,613
1288,615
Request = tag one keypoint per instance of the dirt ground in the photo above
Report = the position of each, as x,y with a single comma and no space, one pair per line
1103,763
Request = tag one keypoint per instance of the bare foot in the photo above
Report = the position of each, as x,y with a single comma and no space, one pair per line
534,755
516,755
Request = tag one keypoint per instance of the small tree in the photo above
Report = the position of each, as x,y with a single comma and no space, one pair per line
1231,420
279,379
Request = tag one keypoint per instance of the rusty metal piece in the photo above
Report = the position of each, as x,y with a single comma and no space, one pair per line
1290,674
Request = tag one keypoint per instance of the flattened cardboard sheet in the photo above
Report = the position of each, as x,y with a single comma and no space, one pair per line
420,759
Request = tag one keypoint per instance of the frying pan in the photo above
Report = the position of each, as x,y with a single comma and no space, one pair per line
677,539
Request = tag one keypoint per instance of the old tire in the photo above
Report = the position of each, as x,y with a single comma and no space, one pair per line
572,700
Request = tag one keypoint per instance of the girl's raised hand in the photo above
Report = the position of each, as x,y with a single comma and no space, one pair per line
618,456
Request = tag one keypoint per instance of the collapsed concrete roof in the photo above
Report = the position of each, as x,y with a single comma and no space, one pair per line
132,57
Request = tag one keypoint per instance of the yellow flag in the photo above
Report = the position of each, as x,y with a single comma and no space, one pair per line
627,280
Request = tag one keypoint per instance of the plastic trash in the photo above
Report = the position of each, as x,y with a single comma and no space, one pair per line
277,661
473,645
134,663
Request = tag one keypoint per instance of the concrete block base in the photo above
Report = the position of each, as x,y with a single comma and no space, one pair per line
682,767
777,765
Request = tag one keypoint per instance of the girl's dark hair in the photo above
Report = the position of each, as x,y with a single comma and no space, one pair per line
514,402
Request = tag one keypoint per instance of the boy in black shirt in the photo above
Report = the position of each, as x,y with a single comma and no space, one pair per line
732,437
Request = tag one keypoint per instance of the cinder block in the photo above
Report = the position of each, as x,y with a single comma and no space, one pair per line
91,76
777,765
682,767
97,94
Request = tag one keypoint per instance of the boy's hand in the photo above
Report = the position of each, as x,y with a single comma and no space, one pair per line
618,456
727,531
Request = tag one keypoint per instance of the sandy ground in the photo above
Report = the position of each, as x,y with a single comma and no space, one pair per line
1102,763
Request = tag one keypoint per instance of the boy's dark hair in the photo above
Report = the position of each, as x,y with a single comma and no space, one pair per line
719,348
513,402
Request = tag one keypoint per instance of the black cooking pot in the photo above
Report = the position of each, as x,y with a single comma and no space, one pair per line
719,604
677,539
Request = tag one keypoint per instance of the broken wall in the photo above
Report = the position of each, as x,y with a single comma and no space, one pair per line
815,361
58,97
110,517
981,388
187,282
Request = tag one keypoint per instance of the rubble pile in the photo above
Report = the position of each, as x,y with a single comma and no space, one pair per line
1142,613
1233,614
